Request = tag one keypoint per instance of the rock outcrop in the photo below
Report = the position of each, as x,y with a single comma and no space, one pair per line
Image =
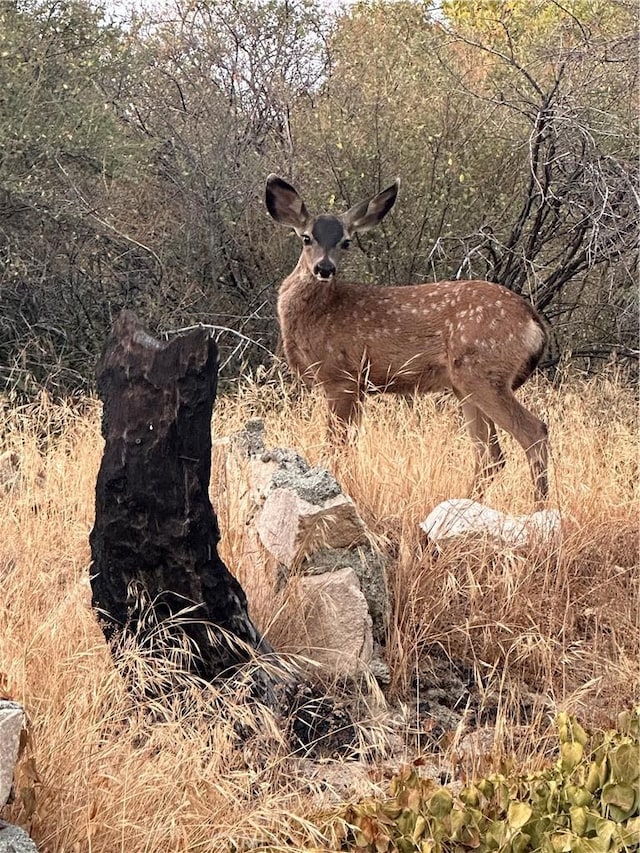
326,561
12,722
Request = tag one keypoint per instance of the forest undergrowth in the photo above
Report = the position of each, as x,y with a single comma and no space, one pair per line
559,625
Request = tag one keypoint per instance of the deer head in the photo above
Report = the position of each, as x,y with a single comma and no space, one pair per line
325,236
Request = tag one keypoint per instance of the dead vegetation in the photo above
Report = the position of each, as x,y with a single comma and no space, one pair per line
534,633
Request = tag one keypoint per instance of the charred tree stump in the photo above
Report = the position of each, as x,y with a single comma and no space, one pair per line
156,573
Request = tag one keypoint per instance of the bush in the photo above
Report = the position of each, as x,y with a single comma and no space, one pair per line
587,802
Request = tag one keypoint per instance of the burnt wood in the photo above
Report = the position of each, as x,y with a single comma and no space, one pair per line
156,571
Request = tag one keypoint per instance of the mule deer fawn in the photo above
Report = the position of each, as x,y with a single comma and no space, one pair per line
476,338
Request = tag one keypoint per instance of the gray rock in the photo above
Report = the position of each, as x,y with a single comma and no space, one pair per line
12,722
13,839
250,440
461,519
335,630
380,670
292,529
287,458
304,520
314,485
371,569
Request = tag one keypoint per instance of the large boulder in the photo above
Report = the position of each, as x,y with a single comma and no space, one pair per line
292,528
370,567
308,529
13,839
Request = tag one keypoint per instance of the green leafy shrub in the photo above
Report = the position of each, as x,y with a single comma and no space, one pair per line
587,802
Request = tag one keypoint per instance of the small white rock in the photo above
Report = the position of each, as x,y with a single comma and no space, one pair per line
461,518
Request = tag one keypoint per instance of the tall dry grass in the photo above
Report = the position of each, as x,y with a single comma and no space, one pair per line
108,777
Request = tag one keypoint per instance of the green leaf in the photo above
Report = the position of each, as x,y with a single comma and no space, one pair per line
518,815
595,777
486,788
589,845
470,796
605,830
620,795
630,832
419,829
570,755
441,803
579,819
503,795
563,725
625,762
406,822
578,796
579,733
561,842
520,844
496,834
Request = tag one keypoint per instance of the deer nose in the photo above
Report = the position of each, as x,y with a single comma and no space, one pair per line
324,269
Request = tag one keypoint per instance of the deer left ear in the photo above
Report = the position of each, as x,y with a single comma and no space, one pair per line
367,214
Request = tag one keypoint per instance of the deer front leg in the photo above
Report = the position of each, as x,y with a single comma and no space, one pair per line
345,408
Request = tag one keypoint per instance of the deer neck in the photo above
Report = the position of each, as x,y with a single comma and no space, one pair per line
301,294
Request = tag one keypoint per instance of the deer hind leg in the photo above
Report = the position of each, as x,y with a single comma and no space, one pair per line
489,456
530,432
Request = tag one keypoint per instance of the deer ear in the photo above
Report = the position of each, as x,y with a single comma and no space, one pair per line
367,214
284,204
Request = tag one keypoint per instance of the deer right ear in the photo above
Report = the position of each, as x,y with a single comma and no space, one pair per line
284,204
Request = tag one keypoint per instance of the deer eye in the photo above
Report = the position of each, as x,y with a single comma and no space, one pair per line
306,240
346,244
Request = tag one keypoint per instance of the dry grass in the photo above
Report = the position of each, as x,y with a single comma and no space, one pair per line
565,624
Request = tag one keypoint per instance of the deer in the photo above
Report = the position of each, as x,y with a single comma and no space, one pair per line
476,338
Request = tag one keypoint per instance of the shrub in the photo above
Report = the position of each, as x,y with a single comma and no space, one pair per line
587,802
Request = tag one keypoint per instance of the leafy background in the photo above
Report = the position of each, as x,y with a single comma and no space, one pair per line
133,154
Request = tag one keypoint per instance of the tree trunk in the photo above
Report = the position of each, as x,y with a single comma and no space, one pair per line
156,572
